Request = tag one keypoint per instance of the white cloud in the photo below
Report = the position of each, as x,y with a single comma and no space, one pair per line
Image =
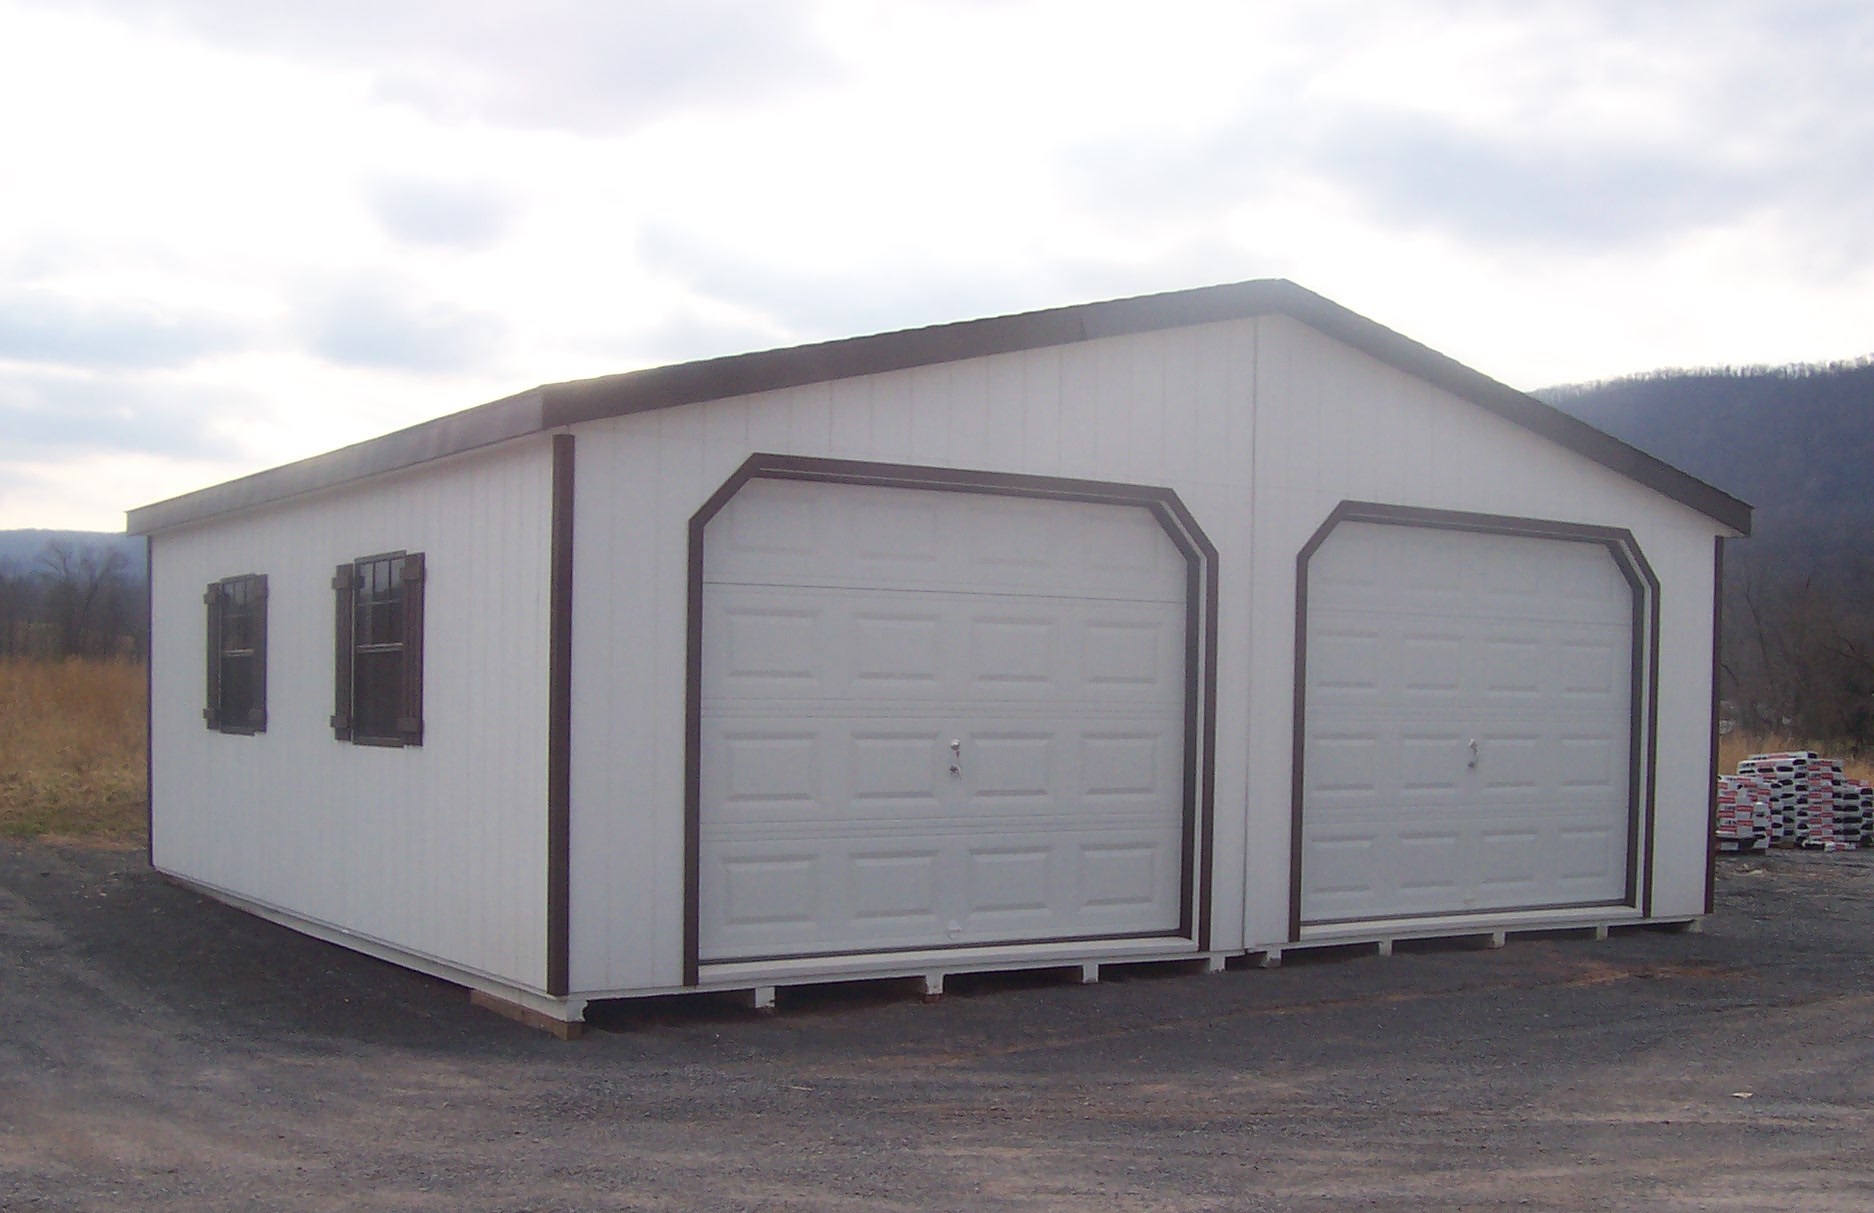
240,233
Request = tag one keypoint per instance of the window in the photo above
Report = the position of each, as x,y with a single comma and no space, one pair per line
378,678
237,654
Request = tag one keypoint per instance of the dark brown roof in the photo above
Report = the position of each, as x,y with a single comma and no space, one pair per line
558,404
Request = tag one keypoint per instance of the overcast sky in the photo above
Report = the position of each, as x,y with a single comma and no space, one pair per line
237,232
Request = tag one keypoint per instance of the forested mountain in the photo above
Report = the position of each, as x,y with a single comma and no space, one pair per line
1798,444
1795,442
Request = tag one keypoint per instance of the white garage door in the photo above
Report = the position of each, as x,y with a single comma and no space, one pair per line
1422,642
936,718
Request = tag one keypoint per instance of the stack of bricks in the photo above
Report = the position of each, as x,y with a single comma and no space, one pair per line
1810,804
1854,809
1743,813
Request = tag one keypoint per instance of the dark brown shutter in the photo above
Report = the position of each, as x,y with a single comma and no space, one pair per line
257,594
344,588
212,713
410,578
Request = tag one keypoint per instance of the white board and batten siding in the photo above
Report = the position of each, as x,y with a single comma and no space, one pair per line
1335,425
438,850
1168,409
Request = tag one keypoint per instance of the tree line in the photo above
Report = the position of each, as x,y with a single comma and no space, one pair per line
74,599
1798,649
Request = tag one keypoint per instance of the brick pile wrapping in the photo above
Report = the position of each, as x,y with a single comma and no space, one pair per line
1793,798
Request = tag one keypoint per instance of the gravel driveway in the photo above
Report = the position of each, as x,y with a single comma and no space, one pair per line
160,1051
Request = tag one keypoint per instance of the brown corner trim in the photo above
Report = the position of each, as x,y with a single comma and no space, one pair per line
1643,713
1717,666
1200,712
560,720
1651,692
149,699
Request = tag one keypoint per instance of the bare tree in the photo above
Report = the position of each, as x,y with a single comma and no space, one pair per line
84,583
18,609
1798,654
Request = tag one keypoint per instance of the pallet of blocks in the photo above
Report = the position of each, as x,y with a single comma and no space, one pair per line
1743,813
1810,803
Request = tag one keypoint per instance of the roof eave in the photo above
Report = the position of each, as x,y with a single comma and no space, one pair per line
561,404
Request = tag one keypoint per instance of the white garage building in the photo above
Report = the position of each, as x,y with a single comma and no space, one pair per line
1181,626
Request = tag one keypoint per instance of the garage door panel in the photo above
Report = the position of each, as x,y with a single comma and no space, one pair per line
891,647
1416,760
1341,876
764,899
1351,660
1595,667
1045,639
1124,880
797,643
1428,862
863,537
774,893
769,773
770,644
894,889
1589,855
1013,884
1512,860
1421,642
1013,765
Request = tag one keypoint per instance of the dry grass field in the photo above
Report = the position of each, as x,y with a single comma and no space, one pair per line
1735,747
71,751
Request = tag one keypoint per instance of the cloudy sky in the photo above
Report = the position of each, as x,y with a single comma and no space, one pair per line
237,232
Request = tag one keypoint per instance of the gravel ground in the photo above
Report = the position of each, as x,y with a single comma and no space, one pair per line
161,1051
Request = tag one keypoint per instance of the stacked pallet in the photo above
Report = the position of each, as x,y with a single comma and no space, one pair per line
1743,813
1854,808
1793,798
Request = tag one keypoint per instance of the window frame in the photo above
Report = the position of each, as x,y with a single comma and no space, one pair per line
218,598
409,577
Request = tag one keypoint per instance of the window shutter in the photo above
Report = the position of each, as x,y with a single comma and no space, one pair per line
257,715
344,587
212,713
411,580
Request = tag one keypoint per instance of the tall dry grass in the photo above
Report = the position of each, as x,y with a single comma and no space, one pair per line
1734,747
72,750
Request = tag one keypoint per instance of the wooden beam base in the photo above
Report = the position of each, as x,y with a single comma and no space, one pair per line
563,1028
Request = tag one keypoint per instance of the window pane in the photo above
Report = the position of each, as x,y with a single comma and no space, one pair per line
237,689
377,691
237,631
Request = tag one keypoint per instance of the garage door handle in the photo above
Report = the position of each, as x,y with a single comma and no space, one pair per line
1473,762
956,748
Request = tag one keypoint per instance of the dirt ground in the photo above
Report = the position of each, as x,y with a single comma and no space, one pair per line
160,1051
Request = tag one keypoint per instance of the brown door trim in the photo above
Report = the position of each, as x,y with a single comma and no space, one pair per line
1644,713
1200,638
